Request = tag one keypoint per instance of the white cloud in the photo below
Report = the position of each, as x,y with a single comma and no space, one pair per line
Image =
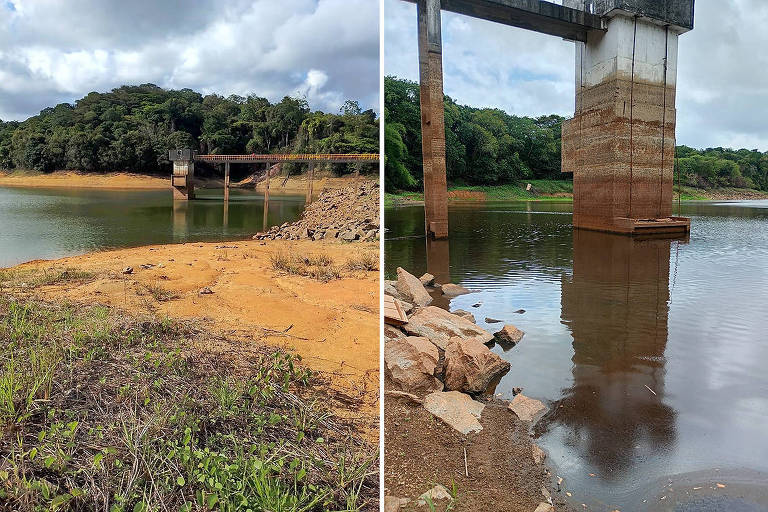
59,51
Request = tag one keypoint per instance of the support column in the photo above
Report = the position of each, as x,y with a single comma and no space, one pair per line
311,177
620,143
266,199
432,119
182,180
226,181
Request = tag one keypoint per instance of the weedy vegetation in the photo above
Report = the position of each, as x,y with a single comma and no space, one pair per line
104,412
316,266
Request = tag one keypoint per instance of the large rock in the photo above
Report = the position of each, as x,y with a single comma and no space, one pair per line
451,290
527,409
465,315
470,366
390,290
427,279
393,333
456,409
410,289
440,326
509,334
410,364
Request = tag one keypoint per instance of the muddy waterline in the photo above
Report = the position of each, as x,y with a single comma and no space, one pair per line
38,223
652,354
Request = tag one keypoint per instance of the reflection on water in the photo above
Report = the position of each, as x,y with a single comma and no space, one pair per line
615,306
650,353
52,223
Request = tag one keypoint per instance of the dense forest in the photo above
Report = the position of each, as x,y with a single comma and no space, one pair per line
488,147
132,128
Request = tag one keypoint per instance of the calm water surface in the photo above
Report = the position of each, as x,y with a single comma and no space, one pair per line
652,355
52,223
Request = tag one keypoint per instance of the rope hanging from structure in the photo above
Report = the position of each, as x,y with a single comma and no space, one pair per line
632,118
663,119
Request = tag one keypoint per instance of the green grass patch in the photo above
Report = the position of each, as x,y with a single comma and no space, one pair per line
104,412
33,278
541,190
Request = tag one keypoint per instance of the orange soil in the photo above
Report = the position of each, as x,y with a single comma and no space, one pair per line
334,326
75,179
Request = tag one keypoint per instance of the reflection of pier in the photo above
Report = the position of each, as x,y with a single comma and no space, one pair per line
616,307
184,160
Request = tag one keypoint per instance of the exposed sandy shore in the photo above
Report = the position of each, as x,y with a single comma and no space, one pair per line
73,179
334,325
298,184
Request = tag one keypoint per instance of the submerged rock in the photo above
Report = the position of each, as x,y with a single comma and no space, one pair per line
440,326
509,334
410,289
451,290
410,364
456,409
470,366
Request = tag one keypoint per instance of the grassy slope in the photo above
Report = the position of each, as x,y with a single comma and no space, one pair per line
103,410
544,190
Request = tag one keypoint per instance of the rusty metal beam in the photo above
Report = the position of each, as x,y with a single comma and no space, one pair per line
537,15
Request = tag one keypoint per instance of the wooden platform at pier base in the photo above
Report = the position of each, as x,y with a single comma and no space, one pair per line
635,227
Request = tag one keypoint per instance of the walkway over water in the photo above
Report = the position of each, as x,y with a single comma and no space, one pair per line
299,157
184,167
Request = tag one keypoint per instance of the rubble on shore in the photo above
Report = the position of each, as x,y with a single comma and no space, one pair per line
349,214
440,363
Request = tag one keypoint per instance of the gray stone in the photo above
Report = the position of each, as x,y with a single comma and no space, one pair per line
410,289
410,364
439,326
544,507
438,492
456,409
470,366
393,503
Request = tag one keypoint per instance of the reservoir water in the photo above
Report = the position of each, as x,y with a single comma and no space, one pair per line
652,355
38,223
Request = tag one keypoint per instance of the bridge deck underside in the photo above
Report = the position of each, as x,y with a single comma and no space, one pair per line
537,15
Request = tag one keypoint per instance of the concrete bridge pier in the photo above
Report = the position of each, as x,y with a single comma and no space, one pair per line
432,119
265,224
182,178
226,181
311,179
620,144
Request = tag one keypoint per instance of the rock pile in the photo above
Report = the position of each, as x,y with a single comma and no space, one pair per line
443,354
349,214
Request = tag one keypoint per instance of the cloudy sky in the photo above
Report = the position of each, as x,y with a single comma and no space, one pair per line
53,51
722,91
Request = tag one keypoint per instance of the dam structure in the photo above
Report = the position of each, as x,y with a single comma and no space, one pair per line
620,143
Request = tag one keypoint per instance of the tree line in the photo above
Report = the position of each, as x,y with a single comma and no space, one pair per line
487,146
131,128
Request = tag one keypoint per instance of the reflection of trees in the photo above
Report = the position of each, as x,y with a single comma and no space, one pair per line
488,239
616,307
